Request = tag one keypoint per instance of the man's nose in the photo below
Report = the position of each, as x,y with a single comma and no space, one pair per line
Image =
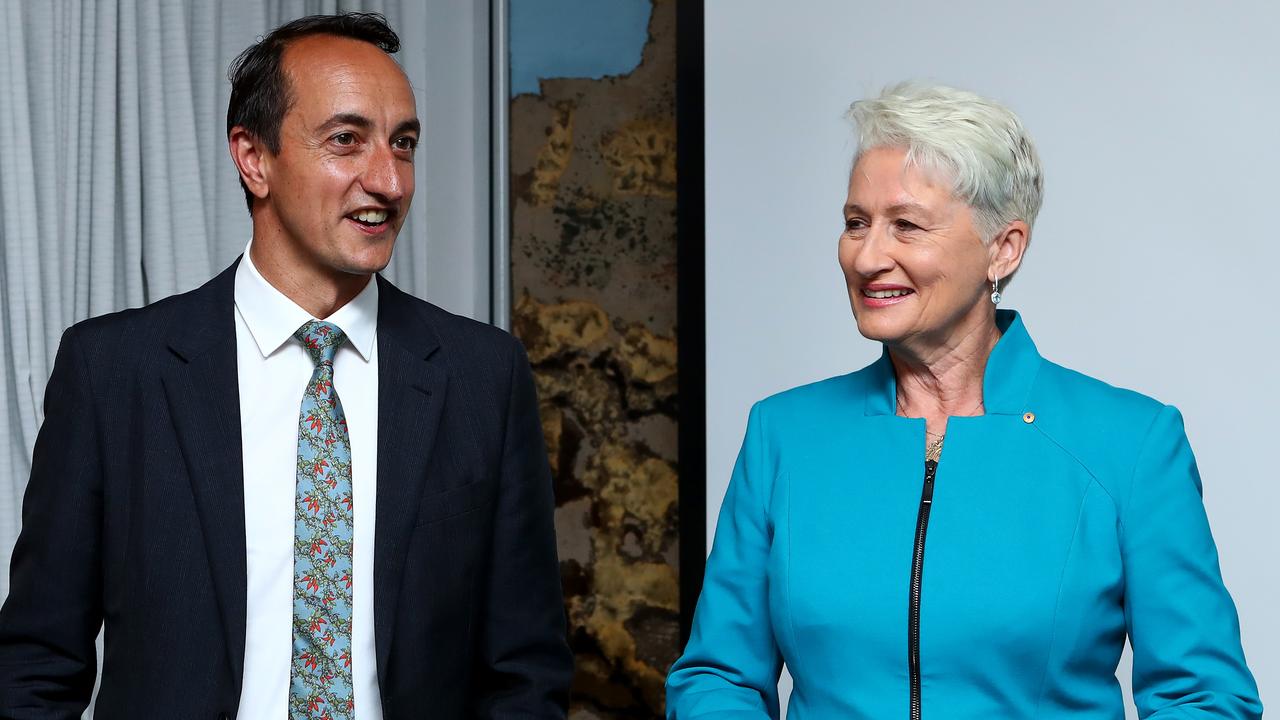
387,177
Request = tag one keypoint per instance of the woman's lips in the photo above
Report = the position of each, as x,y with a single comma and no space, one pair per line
878,297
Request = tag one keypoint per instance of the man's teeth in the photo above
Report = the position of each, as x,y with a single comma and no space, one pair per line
882,294
373,217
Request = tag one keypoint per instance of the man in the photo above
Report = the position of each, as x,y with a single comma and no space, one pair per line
295,491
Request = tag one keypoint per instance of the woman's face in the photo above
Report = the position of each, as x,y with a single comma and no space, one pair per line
915,264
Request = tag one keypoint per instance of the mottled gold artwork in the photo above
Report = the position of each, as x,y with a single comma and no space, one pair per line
553,157
594,276
642,156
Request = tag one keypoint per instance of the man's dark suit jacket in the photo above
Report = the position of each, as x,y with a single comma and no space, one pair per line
134,516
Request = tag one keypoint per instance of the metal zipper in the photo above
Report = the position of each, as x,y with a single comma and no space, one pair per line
917,571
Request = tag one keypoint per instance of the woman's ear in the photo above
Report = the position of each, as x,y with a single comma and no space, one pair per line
1007,250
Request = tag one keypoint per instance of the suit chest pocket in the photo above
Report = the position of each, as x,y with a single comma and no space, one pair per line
455,501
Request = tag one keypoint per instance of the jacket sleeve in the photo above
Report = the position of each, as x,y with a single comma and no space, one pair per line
526,666
1187,658
53,612
729,669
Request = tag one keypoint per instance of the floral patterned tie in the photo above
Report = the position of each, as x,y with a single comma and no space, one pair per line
320,679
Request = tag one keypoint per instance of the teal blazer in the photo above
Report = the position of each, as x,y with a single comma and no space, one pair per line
1066,517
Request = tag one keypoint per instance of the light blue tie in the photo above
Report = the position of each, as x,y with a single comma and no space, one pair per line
320,680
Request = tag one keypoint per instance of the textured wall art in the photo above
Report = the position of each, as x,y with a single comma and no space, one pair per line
594,280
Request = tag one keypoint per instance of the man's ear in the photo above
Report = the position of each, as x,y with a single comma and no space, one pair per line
1007,250
252,159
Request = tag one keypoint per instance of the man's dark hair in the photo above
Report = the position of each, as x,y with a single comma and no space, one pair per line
260,93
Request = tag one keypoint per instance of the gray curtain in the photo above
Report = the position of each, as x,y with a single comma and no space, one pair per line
115,184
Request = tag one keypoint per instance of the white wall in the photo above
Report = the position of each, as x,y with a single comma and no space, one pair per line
1153,265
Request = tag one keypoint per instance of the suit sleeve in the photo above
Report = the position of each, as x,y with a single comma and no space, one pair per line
1187,658
526,663
53,612
729,669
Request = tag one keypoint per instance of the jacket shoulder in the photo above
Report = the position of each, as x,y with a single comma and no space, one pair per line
804,412
1102,426
133,329
1062,391
828,395
462,336
460,328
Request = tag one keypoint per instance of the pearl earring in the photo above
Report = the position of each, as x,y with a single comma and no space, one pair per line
995,292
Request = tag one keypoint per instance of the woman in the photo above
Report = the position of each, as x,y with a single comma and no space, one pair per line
961,529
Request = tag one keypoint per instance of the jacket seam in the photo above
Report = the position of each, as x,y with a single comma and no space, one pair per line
72,337
764,497
1057,601
1123,511
75,347
764,494
1137,463
515,352
761,496
1092,475
791,595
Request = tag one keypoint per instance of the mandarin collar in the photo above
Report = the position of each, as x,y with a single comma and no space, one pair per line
1006,383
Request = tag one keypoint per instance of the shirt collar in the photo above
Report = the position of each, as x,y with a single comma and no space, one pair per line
1006,383
272,317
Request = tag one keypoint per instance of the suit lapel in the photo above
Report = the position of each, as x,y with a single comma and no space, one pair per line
411,394
202,388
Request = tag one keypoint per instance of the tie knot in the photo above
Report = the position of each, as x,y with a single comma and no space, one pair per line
321,340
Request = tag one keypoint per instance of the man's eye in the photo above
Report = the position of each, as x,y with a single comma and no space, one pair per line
345,138
854,224
905,225
406,143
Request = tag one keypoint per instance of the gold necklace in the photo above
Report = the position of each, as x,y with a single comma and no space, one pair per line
933,449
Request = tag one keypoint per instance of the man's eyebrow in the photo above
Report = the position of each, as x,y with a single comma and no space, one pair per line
412,126
353,119
357,120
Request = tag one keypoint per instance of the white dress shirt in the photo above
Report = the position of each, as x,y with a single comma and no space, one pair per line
273,371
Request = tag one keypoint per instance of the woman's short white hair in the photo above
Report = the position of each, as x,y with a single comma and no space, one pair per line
980,144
